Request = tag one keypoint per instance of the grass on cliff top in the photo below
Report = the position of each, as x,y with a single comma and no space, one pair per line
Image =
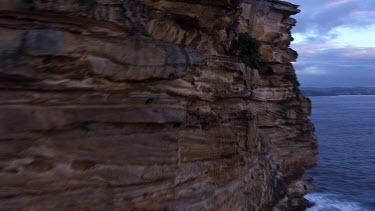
247,48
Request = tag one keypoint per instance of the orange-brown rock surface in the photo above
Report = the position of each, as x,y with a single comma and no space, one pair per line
136,105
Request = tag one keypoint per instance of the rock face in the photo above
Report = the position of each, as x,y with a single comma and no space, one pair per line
136,105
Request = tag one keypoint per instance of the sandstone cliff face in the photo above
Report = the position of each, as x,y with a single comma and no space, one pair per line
135,104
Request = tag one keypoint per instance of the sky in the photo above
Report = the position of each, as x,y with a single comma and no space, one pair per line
335,40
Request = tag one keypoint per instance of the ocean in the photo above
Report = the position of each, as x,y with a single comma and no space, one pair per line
345,174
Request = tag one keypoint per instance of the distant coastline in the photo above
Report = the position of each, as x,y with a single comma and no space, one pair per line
336,91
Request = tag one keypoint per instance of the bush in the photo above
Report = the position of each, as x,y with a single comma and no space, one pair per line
247,48
293,79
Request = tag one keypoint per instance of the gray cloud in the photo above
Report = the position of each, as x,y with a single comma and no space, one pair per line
323,63
321,15
328,65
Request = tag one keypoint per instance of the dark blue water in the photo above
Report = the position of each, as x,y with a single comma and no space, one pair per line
345,175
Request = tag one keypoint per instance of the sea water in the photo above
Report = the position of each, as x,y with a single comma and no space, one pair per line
345,174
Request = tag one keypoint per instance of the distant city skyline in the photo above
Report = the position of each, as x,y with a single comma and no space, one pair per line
335,40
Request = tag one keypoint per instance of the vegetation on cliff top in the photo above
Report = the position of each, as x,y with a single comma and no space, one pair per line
247,48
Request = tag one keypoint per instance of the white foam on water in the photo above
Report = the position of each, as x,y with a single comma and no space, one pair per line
332,202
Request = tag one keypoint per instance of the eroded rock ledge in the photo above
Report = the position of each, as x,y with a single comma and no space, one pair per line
135,104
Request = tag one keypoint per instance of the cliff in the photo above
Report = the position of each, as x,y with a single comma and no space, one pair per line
137,105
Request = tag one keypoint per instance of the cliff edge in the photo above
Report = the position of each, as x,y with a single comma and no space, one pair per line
137,105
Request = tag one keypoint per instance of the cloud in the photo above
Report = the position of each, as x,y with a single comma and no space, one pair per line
333,64
307,48
360,53
337,2
319,17
326,34
312,70
364,14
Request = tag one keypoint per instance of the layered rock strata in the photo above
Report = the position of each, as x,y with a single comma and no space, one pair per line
136,105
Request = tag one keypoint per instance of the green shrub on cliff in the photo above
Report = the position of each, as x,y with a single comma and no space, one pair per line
247,48
293,79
